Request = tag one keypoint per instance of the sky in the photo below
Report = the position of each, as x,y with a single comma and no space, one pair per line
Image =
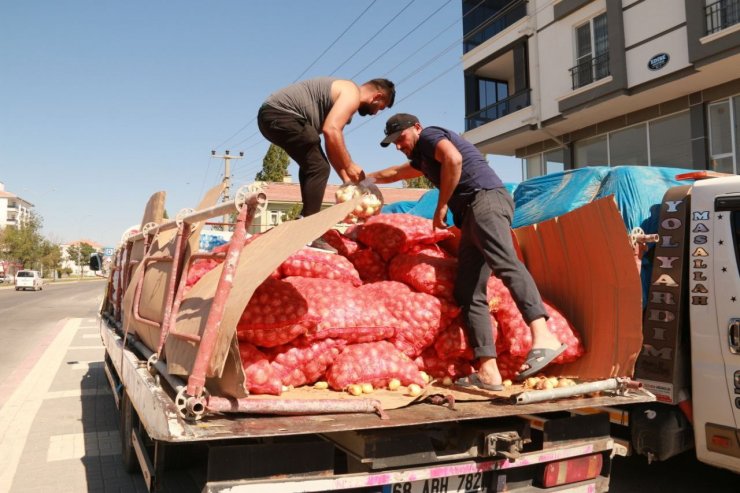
103,103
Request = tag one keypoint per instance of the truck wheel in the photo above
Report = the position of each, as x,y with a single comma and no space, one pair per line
17,289
129,421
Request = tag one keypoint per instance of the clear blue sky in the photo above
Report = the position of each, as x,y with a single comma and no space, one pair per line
104,103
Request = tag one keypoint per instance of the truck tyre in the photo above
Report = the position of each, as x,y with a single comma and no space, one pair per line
129,421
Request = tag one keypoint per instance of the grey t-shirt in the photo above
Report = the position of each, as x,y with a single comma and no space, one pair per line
309,99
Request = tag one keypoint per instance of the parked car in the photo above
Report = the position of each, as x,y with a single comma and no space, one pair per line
28,279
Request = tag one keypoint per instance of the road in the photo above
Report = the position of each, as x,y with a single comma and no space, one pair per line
59,424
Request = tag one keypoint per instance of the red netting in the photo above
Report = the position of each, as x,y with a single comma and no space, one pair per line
305,362
437,367
276,314
311,263
431,275
344,312
375,363
390,234
344,245
261,377
370,265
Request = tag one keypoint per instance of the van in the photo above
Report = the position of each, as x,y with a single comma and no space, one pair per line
28,279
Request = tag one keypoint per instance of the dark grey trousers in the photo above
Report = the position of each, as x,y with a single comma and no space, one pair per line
302,143
486,246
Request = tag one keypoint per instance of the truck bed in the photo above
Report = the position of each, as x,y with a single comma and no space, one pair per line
156,408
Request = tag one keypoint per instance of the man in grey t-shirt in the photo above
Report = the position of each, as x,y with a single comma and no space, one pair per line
294,118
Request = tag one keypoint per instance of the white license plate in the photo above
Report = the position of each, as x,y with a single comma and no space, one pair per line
463,483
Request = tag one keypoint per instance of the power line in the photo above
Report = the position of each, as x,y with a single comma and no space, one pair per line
335,41
373,36
402,38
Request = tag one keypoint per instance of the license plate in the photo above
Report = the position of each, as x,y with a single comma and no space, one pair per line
463,483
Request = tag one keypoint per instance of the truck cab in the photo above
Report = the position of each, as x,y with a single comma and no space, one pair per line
714,298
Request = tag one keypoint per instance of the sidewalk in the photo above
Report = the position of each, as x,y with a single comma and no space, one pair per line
59,428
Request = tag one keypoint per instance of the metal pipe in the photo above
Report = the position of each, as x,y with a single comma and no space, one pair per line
252,200
293,407
197,379
176,383
619,384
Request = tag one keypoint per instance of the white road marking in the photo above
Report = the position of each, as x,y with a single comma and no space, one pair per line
18,413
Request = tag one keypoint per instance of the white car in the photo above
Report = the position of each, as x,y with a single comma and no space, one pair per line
28,279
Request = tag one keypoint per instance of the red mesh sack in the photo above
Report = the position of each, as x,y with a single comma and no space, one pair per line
373,362
508,365
390,234
431,275
343,245
312,263
429,250
453,342
203,266
370,265
261,377
437,367
305,362
515,332
344,312
276,314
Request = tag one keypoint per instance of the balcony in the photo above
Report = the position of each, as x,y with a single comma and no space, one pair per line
492,112
721,15
590,70
487,20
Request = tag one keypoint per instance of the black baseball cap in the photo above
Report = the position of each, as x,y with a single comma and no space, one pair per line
395,125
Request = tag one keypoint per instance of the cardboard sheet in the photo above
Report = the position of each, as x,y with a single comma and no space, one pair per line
388,399
583,263
154,287
257,261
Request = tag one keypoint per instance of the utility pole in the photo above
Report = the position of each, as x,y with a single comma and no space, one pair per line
227,175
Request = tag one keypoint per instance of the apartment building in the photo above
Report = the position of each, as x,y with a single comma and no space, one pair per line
565,84
13,209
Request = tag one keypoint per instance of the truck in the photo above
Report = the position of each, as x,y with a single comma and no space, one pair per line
173,365
690,358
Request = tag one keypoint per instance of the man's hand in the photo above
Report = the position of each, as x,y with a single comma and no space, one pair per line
354,173
440,217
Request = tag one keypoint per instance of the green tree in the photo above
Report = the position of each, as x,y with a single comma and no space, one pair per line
23,244
274,165
418,182
293,212
80,253
51,256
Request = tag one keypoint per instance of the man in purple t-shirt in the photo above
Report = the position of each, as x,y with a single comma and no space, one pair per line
483,209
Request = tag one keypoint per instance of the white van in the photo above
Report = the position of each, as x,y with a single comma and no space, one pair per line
28,279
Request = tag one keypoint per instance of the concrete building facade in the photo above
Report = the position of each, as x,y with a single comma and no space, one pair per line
14,210
564,84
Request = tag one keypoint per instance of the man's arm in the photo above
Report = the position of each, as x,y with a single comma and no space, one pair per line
447,154
345,105
395,173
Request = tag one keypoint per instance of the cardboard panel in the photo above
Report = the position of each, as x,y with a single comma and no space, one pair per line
257,261
154,287
583,263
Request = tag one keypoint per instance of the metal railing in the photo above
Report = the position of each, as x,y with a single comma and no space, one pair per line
721,15
589,71
513,103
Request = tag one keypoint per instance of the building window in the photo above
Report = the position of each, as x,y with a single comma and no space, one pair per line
629,146
721,14
670,141
275,217
484,19
591,152
592,52
722,134
545,163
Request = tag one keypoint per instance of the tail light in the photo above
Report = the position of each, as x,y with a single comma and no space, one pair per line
572,470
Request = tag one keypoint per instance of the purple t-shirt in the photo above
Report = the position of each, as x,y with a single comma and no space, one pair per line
476,173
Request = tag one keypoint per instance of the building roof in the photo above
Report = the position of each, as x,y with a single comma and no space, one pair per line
291,192
10,195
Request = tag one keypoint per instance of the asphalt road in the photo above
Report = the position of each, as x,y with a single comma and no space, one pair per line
31,319
27,317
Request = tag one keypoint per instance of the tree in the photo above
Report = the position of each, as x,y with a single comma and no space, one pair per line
23,244
80,254
51,256
274,165
418,182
